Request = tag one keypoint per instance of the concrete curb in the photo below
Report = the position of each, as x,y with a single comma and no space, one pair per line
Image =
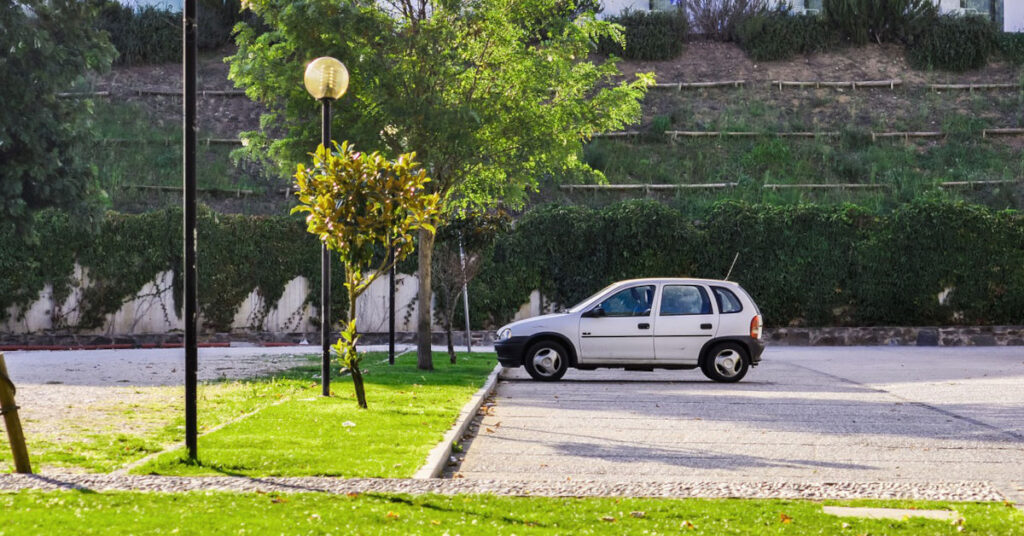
438,457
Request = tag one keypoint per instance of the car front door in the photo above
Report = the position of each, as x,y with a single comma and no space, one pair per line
684,323
619,328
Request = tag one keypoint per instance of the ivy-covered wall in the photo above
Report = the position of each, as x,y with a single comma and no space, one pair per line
804,265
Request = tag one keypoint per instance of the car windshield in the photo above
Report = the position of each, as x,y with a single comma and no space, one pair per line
593,297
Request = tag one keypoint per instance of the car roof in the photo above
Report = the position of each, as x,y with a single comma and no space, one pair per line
663,280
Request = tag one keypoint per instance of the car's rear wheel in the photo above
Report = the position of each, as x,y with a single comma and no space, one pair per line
726,362
547,361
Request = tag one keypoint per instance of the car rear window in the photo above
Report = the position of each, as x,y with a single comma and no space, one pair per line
727,301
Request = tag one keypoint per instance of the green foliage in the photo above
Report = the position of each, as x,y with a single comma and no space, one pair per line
780,35
880,21
148,34
1011,46
438,82
47,46
358,205
804,264
650,35
236,255
953,43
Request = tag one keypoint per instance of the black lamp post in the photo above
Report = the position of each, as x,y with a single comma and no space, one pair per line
326,79
190,53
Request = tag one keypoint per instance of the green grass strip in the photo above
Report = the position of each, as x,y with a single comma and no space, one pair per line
32,512
310,435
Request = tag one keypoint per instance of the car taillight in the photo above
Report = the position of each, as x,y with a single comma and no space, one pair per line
755,327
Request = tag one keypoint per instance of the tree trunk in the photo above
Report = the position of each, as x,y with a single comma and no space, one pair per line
357,381
424,361
357,374
451,347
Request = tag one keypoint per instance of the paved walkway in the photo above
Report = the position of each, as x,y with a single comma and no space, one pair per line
896,415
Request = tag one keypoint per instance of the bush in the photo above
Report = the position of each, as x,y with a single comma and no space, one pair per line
779,36
655,35
953,43
1011,46
805,265
720,19
881,21
152,35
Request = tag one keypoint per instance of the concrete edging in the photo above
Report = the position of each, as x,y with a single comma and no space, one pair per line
438,457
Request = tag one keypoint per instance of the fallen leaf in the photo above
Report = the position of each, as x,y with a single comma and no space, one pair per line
278,500
434,522
392,515
783,518
352,494
638,515
687,525
489,430
609,519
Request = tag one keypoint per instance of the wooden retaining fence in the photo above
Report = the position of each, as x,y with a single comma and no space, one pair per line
722,185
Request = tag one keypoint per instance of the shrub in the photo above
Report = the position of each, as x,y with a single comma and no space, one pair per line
720,19
656,35
152,35
1011,46
878,20
779,36
953,43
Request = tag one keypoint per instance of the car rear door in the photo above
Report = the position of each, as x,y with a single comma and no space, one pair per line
622,331
686,319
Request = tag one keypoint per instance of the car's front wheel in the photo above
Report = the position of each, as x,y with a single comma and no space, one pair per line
726,362
547,361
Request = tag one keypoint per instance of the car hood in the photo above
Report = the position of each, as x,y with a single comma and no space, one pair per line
536,323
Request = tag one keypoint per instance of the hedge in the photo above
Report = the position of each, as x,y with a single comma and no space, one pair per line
654,35
236,254
953,43
804,265
151,35
779,36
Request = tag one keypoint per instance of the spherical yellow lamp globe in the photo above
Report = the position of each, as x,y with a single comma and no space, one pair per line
326,78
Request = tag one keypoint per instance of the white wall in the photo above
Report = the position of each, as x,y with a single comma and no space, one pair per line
1013,15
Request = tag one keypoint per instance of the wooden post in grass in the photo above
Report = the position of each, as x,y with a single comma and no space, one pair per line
10,413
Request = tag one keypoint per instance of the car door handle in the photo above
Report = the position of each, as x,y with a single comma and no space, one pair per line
644,326
706,326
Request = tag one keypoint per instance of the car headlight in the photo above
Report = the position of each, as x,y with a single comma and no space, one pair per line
504,334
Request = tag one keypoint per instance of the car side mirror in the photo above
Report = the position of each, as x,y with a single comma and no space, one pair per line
595,312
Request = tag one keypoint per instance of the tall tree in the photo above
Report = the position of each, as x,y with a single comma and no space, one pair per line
47,46
491,94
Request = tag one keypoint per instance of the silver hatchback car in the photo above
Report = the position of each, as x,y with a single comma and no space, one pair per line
642,324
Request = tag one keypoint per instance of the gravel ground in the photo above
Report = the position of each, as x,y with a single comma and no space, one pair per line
955,491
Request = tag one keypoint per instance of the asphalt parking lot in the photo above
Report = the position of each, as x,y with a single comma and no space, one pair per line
861,414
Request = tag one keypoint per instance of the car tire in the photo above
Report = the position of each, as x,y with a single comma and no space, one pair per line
547,361
727,362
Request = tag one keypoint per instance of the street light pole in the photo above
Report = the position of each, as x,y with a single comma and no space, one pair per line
190,53
326,79
325,271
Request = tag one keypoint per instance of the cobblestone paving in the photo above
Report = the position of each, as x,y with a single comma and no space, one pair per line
957,491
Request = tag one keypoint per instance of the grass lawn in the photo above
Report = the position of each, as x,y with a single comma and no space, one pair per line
306,434
131,422
30,513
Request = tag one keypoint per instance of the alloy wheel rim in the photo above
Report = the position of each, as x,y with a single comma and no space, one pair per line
547,361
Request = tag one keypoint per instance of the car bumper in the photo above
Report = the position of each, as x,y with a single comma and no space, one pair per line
756,349
510,351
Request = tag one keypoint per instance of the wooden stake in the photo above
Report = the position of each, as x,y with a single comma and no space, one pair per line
10,412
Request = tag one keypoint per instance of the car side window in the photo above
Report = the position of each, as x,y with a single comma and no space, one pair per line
633,301
727,301
684,300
